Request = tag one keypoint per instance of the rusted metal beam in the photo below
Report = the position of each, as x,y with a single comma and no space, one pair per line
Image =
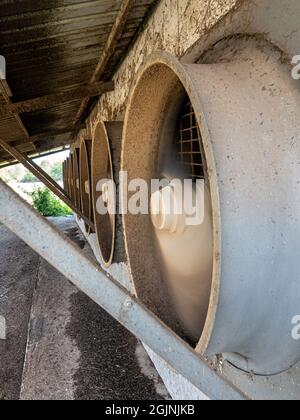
5,163
50,133
43,146
6,94
4,88
110,47
34,148
37,149
25,148
44,174
44,102
44,178
22,158
36,167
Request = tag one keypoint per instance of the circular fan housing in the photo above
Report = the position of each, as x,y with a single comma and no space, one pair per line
102,173
86,181
246,109
71,177
76,179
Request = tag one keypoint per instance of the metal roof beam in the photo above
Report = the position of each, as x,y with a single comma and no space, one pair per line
48,101
50,133
109,49
34,155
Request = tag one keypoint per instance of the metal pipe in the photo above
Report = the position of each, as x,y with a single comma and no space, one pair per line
85,274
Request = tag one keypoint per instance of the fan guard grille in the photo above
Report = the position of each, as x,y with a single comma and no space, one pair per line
189,143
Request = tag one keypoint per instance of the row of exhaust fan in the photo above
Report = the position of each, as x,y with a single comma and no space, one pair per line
87,164
232,285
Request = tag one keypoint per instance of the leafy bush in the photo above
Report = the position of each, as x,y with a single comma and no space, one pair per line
56,171
29,178
47,204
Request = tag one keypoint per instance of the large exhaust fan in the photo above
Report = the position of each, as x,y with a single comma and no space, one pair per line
64,170
76,179
68,181
85,181
71,177
229,285
106,149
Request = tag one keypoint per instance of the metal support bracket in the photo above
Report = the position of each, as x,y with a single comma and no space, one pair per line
87,276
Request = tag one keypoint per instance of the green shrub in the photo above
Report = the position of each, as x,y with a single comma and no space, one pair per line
47,204
56,171
29,178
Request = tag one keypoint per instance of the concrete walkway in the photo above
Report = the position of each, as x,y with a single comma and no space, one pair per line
60,345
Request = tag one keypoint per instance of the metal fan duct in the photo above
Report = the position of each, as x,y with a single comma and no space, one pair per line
246,106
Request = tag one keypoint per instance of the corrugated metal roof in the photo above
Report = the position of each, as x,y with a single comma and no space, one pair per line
51,46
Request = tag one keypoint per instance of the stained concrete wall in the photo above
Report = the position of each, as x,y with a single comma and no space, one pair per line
175,26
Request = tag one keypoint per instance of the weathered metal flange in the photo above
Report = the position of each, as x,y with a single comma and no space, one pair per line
76,179
106,151
85,180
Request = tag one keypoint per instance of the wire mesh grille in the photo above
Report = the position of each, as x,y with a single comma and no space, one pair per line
189,143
